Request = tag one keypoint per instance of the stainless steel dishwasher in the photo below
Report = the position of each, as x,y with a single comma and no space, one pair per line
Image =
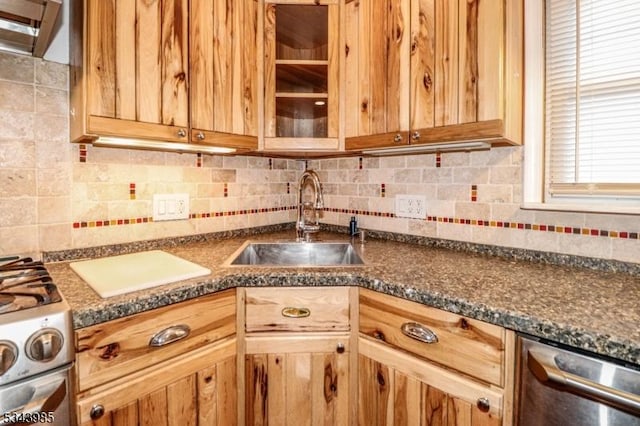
558,386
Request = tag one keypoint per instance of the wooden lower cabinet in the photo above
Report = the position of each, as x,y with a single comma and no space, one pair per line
304,383
198,388
396,389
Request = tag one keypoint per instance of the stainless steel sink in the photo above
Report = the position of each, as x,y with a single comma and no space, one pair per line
295,254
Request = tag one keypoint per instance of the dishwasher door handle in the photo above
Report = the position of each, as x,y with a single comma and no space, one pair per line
542,364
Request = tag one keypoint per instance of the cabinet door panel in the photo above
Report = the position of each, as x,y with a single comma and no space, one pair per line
375,393
181,402
468,58
174,63
422,90
126,416
297,388
446,86
152,409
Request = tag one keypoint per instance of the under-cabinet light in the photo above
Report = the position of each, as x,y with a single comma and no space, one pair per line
427,148
160,146
320,103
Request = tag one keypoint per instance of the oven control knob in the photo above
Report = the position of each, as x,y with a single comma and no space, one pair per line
44,345
8,356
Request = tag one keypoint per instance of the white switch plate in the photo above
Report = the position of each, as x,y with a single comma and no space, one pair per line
412,206
170,207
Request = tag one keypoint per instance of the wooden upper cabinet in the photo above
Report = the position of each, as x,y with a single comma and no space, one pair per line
302,75
224,72
129,74
428,71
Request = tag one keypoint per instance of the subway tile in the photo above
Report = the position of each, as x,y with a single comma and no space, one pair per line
399,162
18,68
348,163
16,125
17,154
495,193
370,163
212,161
421,160
17,182
51,74
18,211
19,240
505,175
471,175
55,237
437,175
407,175
54,210
454,231
223,175
454,192
469,210
455,159
54,181
625,250
16,96
52,101
234,162
358,176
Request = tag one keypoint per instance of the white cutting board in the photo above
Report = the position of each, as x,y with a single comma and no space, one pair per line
114,275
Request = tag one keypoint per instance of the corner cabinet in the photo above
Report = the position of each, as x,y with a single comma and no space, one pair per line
302,80
298,351
224,72
174,365
165,70
429,71
419,365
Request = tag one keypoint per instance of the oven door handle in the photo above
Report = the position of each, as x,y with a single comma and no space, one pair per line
47,398
543,365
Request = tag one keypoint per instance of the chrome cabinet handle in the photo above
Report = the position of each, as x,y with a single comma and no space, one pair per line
170,335
291,312
182,133
397,138
415,136
543,365
419,332
200,136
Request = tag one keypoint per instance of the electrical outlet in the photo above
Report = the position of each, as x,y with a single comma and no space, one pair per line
170,207
412,206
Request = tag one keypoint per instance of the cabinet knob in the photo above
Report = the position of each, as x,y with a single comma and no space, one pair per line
96,412
397,138
484,405
182,133
415,136
340,348
200,136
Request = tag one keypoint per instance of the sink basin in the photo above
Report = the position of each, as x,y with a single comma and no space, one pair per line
296,254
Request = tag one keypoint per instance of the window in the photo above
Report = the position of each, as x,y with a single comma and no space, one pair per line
588,88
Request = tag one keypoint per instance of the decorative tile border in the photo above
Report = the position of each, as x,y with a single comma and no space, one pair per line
138,220
504,224
82,153
132,191
474,193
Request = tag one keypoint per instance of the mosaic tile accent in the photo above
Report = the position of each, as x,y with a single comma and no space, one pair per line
226,190
474,193
288,187
82,152
270,163
382,190
505,224
199,159
360,163
438,159
138,220
132,191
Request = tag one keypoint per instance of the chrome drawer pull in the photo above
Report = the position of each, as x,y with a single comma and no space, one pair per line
170,335
291,312
419,332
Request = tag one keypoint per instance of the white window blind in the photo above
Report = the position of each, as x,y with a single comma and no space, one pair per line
593,97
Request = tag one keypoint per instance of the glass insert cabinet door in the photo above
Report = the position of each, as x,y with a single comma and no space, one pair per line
301,70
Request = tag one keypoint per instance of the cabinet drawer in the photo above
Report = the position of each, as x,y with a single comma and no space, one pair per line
469,346
113,349
297,309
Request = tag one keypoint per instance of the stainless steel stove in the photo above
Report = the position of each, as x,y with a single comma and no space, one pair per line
36,346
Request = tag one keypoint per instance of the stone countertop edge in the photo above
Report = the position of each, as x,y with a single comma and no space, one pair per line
591,310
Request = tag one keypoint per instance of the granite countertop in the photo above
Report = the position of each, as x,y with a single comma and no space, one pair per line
593,310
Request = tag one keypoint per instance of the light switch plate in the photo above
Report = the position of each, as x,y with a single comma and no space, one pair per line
411,206
170,207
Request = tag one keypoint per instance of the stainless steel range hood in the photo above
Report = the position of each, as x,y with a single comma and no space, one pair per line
26,26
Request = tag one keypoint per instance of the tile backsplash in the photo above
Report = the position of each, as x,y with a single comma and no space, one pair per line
55,195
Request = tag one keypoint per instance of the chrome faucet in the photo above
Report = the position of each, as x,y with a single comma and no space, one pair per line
305,228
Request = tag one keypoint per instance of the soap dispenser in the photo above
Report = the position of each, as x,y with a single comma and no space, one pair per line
353,226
